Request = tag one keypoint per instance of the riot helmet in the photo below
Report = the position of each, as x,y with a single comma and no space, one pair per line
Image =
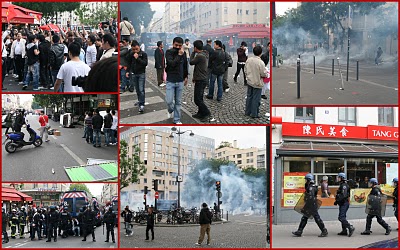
309,177
341,177
395,181
372,182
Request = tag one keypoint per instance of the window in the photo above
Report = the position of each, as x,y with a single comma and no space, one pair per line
158,139
297,164
203,155
347,116
239,162
304,115
158,148
239,156
225,10
247,12
385,116
145,180
255,12
54,185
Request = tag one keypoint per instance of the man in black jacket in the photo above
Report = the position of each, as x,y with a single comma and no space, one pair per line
108,120
210,50
137,63
177,77
205,224
97,123
44,49
160,63
89,221
56,58
217,60
242,54
109,220
150,223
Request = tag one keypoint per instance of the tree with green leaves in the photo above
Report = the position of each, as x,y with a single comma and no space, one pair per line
79,187
139,13
48,101
225,144
93,18
131,166
49,9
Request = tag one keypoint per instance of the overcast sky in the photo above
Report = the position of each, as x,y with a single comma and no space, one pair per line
246,136
282,7
95,188
159,8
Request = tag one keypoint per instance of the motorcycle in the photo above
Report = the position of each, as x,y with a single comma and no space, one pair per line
15,140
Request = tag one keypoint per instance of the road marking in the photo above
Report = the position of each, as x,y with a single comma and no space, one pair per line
73,155
54,137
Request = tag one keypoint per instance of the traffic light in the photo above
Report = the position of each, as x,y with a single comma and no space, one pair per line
155,182
218,185
145,189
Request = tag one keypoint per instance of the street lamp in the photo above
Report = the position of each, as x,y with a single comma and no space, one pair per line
179,178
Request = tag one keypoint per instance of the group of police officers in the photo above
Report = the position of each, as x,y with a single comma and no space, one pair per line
376,205
49,224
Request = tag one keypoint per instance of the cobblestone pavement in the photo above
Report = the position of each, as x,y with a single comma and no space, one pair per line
240,232
229,111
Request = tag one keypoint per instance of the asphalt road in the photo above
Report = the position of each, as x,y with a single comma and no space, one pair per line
36,164
241,231
229,111
70,242
282,235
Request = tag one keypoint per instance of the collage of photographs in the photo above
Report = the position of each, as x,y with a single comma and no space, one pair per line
211,124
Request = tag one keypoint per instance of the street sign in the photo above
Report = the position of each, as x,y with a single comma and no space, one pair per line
156,195
219,195
179,178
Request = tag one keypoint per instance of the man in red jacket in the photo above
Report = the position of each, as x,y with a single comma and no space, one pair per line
44,121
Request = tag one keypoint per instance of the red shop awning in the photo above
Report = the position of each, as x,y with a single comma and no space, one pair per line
14,192
20,18
10,197
253,34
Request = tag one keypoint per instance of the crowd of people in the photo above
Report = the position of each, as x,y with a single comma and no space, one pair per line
93,124
56,221
211,64
63,61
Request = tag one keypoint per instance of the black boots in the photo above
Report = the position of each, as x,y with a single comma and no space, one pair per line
324,233
299,231
388,230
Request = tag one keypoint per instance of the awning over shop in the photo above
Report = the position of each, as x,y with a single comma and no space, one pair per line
23,15
253,34
337,150
13,193
10,197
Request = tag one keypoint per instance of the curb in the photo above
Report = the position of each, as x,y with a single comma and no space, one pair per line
180,225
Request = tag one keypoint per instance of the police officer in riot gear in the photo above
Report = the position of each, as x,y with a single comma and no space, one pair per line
395,197
22,222
342,199
14,222
310,197
36,224
80,220
66,222
89,221
53,218
4,222
375,209
109,220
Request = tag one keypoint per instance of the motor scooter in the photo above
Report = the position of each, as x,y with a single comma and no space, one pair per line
15,140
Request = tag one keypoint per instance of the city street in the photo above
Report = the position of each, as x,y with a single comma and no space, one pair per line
36,164
70,242
229,111
242,231
12,86
282,235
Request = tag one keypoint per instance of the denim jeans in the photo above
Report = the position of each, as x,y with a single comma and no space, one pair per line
96,136
113,136
54,74
107,134
138,82
219,79
173,99
124,80
89,135
253,101
35,75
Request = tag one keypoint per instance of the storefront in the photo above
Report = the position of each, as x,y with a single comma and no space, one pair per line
326,150
11,196
45,197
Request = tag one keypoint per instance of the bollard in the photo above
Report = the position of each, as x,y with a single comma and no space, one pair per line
314,64
357,70
298,77
333,66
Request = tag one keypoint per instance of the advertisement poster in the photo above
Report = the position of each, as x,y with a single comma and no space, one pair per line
293,180
290,197
392,170
359,196
387,189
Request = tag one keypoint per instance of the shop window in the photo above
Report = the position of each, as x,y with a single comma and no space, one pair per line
385,116
347,116
304,115
297,164
359,168
382,170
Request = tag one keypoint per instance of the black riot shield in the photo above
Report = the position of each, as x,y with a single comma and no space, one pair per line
376,205
307,205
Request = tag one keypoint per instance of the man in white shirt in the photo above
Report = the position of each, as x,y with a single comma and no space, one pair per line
114,128
73,68
18,54
108,46
126,29
91,51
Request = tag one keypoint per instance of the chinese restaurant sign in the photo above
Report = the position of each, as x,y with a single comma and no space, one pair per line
340,131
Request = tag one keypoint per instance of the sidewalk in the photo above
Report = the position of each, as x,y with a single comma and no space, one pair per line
282,235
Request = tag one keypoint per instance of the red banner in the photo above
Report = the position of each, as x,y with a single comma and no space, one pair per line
340,131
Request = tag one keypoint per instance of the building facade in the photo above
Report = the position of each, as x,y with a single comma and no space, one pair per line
159,153
243,158
361,142
10,101
109,190
171,17
44,194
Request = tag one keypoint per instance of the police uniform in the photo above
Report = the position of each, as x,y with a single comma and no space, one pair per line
53,218
310,198
89,221
109,220
342,199
66,219
375,191
395,204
